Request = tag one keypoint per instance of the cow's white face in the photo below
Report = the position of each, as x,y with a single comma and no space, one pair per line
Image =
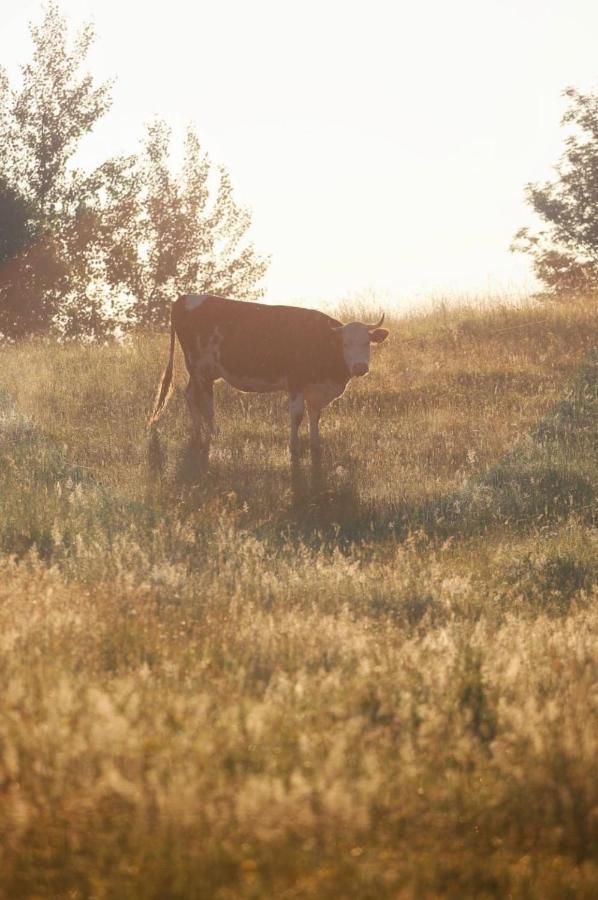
357,339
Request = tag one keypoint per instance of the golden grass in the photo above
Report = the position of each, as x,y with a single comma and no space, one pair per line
373,679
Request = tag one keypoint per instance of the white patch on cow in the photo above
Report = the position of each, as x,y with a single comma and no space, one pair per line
356,347
192,301
207,356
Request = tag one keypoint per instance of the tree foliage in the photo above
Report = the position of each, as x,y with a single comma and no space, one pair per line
55,107
192,232
177,231
565,248
41,125
87,252
18,237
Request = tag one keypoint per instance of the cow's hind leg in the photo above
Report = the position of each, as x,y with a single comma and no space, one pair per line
200,401
296,409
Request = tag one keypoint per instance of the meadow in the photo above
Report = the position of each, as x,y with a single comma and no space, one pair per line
373,677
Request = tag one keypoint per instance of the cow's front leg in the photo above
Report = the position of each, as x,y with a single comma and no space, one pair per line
200,400
314,410
296,409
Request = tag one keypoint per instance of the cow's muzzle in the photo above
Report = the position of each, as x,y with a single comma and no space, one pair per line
360,369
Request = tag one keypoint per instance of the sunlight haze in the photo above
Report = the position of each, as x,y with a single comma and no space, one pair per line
380,146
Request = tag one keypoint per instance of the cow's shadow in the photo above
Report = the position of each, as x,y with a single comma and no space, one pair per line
156,458
192,467
310,495
323,495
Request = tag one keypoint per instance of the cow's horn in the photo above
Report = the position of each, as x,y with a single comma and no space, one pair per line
378,324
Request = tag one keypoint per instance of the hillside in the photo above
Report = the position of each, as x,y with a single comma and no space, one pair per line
373,678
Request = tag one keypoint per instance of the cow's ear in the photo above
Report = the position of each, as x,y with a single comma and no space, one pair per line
379,335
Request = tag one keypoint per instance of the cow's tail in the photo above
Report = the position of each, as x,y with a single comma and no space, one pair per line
165,388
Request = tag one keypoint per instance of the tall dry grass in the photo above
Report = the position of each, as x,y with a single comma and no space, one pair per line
374,678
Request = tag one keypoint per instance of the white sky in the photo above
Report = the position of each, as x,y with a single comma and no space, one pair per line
380,145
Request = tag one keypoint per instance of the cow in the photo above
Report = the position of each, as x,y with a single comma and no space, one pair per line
258,347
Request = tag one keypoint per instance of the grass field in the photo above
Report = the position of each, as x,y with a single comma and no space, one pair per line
372,678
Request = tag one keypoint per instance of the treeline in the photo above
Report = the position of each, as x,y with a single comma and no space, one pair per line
93,253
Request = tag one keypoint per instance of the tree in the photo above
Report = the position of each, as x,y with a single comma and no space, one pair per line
55,107
41,125
186,233
100,240
114,246
157,233
565,249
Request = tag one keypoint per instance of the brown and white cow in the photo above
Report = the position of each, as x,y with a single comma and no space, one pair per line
256,347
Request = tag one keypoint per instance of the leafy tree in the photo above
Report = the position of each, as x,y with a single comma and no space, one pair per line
41,125
565,249
54,108
99,238
157,233
113,246
186,233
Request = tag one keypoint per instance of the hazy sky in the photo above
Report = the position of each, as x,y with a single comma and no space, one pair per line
379,145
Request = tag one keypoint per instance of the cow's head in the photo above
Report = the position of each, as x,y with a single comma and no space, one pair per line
356,338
